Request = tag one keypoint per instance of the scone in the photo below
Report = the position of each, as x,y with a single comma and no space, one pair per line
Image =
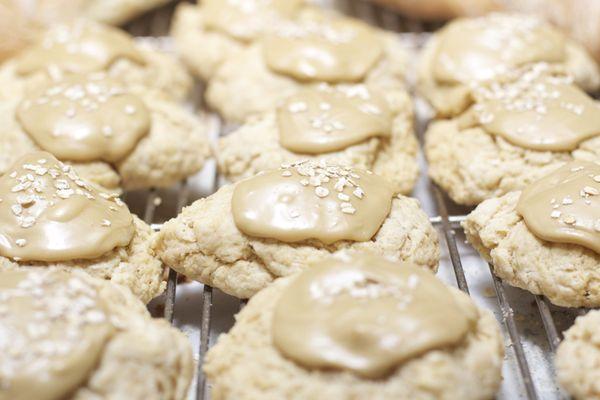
317,47
470,50
69,336
87,47
578,357
518,130
52,218
358,326
113,12
344,124
112,136
208,33
247,234
546,239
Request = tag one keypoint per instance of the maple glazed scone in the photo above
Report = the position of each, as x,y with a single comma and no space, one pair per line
358,326
247,234
53,218
223,27
578,357
112,136
546,239
83,47
469,50
345,124
522,126
72,336
316,47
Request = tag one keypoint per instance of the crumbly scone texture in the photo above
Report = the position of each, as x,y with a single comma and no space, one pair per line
204,244
201,49
177,146
472,165
450,100
578,357
134,266
144,359
244,86
244,364
567,274
161,73
255,147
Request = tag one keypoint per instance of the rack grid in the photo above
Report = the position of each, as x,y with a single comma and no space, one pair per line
414,34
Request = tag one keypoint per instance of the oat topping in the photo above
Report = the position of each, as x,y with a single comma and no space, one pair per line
536,107
564,206
312,200
88,118
329,118
47,208
321,172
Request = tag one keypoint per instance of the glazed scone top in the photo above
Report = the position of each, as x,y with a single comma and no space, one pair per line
48,213
309,200
84,118
80,47
362,313
53,327
537,107
330,118
564,206
246,20
322,47
478,48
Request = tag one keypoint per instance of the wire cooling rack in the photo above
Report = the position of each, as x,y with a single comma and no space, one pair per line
531,325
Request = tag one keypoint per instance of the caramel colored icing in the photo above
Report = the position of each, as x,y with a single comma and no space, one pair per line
368,315
324,119
538,111
307,200
247,19
79,48
84,119
53,328
564,206
323,48
47,213
478,48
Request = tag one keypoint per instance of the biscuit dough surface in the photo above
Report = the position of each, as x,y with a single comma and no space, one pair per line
577,358
567,274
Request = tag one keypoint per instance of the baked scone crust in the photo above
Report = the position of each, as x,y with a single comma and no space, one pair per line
204,244
578,356
244,364
255,147
243,85
161,73
566,274
188,30
134,266
450,100
472,165
176,146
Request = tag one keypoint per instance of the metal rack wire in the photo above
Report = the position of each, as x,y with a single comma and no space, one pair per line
449,224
